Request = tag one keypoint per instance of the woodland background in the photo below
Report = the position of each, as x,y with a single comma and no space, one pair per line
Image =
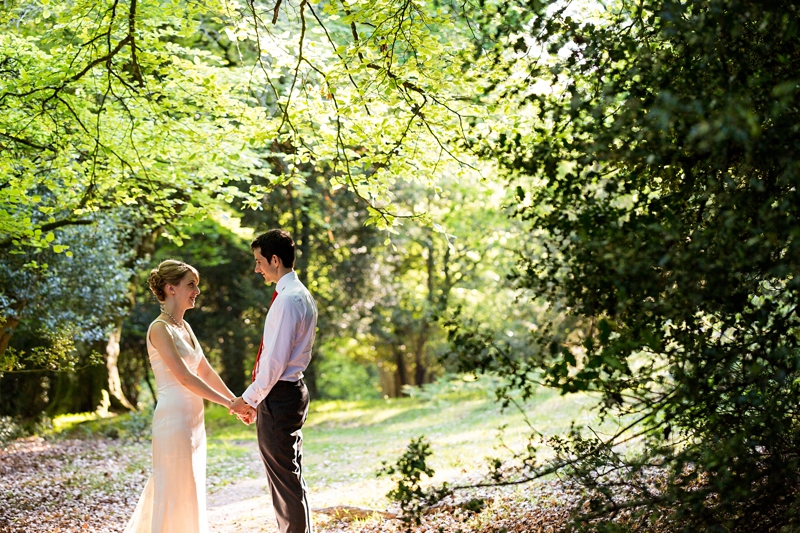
593,197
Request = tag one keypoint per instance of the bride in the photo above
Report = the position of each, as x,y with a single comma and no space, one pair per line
174,499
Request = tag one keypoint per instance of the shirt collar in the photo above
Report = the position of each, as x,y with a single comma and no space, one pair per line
285,280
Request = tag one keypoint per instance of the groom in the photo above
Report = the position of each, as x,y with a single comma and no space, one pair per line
278,397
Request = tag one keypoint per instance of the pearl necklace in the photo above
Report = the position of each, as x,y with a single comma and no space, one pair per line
173,318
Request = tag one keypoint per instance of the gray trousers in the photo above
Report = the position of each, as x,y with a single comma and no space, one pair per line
281,416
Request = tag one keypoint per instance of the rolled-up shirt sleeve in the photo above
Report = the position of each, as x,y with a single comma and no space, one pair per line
282,320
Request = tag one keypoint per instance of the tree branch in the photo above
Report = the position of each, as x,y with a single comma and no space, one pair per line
27,142
68,222
300,59
276,11
51,226
137,73
77,76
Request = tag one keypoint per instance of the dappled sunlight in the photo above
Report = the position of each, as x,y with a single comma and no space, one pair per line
355,417
245,507
344,451
357,492
586,211
67,422
347,443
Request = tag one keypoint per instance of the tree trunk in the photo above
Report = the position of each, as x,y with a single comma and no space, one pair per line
95,388
388,382
448,281
233,363
117,397
431,270
401,373
8,325
420,370
304,253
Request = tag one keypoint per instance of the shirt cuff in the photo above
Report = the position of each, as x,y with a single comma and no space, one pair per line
251,398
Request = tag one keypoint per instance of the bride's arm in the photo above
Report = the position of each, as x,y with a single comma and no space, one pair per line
207,373
210,376
165,345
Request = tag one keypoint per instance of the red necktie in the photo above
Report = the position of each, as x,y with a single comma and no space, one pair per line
261,347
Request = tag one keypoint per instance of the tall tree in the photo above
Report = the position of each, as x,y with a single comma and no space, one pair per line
62,308
334,250
659,162
230,307
428,270
104,110
158,108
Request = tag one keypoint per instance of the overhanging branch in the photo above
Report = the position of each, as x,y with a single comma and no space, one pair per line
28,143
51,226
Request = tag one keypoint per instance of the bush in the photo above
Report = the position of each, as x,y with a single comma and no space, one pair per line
660,180
12,428
453,387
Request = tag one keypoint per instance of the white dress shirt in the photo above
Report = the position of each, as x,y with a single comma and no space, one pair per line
289,333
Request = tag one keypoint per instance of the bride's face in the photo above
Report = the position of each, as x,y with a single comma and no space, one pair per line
185,293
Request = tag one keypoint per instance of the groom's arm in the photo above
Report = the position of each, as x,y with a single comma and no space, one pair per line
281,323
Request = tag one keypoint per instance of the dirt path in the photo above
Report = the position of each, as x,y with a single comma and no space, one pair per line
87,486
243,506
246,505
91,486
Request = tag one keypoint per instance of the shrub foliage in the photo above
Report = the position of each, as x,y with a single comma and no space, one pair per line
659,177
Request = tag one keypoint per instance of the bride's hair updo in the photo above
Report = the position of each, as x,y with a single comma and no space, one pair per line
169,272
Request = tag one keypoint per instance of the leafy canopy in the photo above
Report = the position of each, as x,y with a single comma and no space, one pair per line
163,107
657,164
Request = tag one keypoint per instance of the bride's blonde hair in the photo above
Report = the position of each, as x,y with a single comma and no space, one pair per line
169,272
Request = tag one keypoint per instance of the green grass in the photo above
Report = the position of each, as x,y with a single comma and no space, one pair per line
346,442
128,427
65,423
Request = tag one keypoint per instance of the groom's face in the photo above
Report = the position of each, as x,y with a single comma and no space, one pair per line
267,269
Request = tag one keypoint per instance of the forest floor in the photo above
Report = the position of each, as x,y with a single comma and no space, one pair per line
87,477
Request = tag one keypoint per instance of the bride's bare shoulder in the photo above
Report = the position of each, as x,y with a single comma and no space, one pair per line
158,324
159,330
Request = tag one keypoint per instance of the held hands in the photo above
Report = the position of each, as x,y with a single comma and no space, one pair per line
250,417
244,412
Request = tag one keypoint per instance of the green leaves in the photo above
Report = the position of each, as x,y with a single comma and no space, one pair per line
657,173
410,469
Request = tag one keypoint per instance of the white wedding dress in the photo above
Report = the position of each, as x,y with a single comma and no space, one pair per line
174,499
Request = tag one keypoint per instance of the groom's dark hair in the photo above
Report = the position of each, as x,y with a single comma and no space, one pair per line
275,242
